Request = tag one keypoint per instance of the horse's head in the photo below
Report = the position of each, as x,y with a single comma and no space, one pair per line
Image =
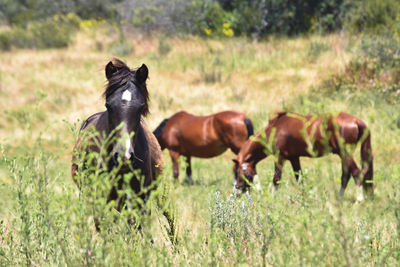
126,98
244,173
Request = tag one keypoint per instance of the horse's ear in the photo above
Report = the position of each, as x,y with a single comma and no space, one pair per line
142,73
110,70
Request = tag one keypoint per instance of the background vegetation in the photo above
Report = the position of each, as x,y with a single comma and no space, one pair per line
310,57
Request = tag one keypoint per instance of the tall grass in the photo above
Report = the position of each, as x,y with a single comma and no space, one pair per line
47,221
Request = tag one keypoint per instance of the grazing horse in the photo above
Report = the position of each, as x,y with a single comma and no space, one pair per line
295,136
126,98
202,136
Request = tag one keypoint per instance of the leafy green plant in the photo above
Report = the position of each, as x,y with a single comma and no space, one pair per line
370,16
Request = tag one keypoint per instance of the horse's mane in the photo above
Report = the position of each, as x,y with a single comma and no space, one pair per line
121,77
277,116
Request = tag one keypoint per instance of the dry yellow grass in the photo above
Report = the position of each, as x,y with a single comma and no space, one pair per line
75,77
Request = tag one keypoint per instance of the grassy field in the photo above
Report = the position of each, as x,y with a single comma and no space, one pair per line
45,95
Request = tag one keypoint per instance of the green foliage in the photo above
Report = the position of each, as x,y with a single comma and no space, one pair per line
215,17
22,12
121,48
372,16
51,34
254,18
5,40
383,50
56,32
53,223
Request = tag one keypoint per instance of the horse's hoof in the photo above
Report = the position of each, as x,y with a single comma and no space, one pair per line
189,180
360,196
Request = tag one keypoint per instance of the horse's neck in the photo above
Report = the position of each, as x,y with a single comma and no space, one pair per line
141,144
256,152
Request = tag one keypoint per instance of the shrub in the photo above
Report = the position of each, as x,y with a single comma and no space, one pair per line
5,41
56,32
50,34
121,48
371,16
16,37
215,17
382,50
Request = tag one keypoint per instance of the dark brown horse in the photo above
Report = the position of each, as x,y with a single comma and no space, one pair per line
290,136
202,136
134,146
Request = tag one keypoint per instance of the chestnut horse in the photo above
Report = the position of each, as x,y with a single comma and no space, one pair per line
126,98
202,136
295,136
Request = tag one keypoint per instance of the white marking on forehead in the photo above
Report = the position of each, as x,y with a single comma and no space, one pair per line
127,146
244,166
126,95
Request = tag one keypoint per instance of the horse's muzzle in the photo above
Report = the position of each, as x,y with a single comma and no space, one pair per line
240,190
124,158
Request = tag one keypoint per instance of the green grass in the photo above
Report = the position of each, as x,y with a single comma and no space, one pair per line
45,221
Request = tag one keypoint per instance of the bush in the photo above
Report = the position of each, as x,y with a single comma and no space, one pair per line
121,48
382,50
372,73
372,16
215,17
51,33
17,37
5,41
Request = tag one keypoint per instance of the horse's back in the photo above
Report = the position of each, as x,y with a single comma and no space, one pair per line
91,121
233,128
192,135
295,133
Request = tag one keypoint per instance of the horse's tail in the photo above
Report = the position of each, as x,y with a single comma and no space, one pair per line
158,131
366,157
249,126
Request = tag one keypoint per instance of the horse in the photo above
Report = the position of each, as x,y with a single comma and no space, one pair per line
126,100
202,136
290,136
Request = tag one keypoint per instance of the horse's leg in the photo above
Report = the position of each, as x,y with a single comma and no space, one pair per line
189,171
355,172
345,175
296,167
174,157
278,171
